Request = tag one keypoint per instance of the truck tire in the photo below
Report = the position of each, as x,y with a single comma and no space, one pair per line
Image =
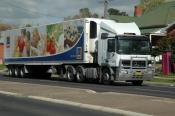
106,77
80,74
17,72
22,73
137,82
11,72
70,73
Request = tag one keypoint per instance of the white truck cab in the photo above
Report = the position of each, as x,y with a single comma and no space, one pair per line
122,52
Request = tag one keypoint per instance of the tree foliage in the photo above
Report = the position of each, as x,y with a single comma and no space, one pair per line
28,25
83,13
165,44
4,27
113,11
148,5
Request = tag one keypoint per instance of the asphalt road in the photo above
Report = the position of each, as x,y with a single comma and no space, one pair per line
165,91
15,106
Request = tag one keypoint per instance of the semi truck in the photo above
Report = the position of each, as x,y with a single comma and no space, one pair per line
80,50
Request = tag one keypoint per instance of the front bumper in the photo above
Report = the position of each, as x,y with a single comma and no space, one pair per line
135,74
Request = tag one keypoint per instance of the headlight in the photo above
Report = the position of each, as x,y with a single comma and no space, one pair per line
150,63
124,71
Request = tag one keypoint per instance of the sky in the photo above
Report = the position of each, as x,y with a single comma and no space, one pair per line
34,12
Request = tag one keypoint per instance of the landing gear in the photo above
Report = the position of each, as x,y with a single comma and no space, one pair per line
38,71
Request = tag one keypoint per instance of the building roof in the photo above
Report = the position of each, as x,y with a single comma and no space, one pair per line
154,20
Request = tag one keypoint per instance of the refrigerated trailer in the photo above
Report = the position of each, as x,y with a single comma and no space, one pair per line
80,50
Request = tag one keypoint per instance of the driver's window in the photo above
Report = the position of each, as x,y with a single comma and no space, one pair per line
111,45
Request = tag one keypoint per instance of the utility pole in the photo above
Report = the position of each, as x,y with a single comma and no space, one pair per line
106,2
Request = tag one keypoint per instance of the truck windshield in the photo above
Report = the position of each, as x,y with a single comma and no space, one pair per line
133,45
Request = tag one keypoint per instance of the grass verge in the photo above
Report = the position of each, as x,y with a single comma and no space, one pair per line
163,80
2,66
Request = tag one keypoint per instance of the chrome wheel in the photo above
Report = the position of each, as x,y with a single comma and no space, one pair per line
106,77
10,72
22,72
16,72
70,73
80,74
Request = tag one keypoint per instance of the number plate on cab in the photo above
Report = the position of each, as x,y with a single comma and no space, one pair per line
138,73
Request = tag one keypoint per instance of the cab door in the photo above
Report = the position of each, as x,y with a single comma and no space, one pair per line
102,51
111,52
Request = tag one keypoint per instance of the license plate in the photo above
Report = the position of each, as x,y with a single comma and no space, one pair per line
138,74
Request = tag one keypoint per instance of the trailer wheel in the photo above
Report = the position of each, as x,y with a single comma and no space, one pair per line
17,72
70,73
22,73
137,83
11,72
106,77
80,76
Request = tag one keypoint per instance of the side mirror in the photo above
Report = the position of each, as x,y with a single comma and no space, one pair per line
104,35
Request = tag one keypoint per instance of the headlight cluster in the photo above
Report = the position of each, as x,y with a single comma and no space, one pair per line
124,71
150,63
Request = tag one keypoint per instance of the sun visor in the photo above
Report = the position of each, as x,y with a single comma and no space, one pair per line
107,28
121,28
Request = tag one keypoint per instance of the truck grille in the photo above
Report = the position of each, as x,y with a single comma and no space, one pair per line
138,64
135,64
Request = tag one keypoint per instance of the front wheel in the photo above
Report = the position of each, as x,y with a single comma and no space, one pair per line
137,83
106,77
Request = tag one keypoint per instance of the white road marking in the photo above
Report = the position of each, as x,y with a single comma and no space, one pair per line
165,101
76,104
88,106
170,92
91,91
